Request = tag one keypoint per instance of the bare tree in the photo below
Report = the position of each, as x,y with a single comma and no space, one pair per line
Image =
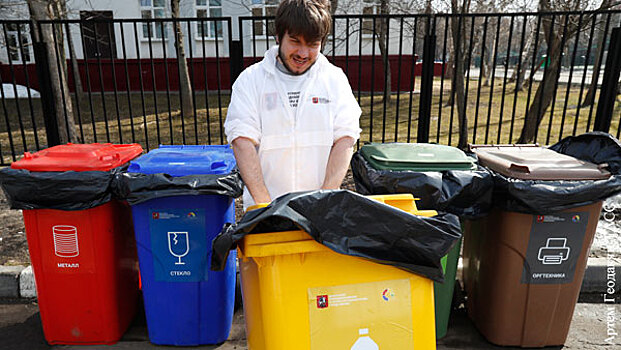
483,6
57,66
459,36
72,56
487,61
382,36
379,28
334,4
553,37
589,98
185,87
519,77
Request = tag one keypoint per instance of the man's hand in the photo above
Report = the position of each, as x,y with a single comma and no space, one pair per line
338,162
250,169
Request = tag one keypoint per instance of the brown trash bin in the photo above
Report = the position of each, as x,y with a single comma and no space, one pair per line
523,272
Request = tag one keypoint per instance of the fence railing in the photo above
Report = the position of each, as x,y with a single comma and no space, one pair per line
450,79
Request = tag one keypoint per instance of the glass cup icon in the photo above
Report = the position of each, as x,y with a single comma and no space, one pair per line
178,245
65,241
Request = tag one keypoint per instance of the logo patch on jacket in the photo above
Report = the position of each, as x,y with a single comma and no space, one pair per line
271,100
317,100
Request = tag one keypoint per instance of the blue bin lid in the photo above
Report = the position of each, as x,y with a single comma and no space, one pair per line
185,160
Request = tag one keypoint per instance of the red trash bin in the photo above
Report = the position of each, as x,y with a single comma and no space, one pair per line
84,261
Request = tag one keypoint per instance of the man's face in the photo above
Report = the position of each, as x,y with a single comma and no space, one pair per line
297,54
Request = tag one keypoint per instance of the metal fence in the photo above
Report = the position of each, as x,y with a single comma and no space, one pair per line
124,77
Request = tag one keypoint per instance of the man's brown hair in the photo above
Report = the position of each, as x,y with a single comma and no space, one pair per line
309,18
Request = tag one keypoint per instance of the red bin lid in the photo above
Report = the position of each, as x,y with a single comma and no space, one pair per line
79,157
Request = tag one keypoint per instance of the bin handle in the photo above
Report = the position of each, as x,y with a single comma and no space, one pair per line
108,157
519,168
216,165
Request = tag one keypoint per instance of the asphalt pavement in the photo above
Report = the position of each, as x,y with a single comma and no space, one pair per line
20,329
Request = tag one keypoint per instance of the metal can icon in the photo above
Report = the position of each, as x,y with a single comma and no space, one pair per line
65,241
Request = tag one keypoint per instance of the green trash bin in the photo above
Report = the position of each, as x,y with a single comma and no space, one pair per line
422,157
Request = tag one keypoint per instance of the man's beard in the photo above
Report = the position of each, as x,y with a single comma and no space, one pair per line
284,63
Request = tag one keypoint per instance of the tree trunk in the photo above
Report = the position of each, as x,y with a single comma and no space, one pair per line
72,55
450,64
73,58
489,60
589,99
334,4
74,66
382,33
428,8
526,61
185,88
545,90
484,66
459,37
519,78
44,10
538,65
450,73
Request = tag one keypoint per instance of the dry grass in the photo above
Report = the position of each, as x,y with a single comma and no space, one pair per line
152,123
443,128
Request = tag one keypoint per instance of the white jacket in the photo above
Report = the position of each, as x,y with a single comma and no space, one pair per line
293,147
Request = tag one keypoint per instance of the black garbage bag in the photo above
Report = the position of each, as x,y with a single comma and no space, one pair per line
67,190
351,224
465,193
137,188
545,197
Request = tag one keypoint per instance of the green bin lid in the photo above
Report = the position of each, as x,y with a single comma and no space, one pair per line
416,157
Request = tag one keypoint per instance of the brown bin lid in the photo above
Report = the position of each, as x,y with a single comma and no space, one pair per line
532,162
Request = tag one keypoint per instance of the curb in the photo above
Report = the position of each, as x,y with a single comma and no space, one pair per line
18,281
27,287
9,281
599,273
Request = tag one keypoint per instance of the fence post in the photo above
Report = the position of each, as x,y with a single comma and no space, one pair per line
426,89
47,98
608,92
237,60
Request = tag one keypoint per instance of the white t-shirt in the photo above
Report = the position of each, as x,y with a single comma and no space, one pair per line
293,86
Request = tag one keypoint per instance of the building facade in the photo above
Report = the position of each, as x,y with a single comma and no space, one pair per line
106,35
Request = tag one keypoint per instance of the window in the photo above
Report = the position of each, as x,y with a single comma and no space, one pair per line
207,9
263,8
369,7
18,42
154,9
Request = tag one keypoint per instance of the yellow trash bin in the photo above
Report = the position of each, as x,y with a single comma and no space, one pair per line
299,294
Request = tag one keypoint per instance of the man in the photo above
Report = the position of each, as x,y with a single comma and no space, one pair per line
293,120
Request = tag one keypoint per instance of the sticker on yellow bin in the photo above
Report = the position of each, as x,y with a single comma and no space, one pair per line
352,316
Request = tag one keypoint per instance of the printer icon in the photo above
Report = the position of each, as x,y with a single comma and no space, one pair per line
554,252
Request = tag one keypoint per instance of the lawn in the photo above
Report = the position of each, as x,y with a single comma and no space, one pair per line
497,114
152,119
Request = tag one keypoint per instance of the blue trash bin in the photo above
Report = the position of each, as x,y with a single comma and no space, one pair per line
185,302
